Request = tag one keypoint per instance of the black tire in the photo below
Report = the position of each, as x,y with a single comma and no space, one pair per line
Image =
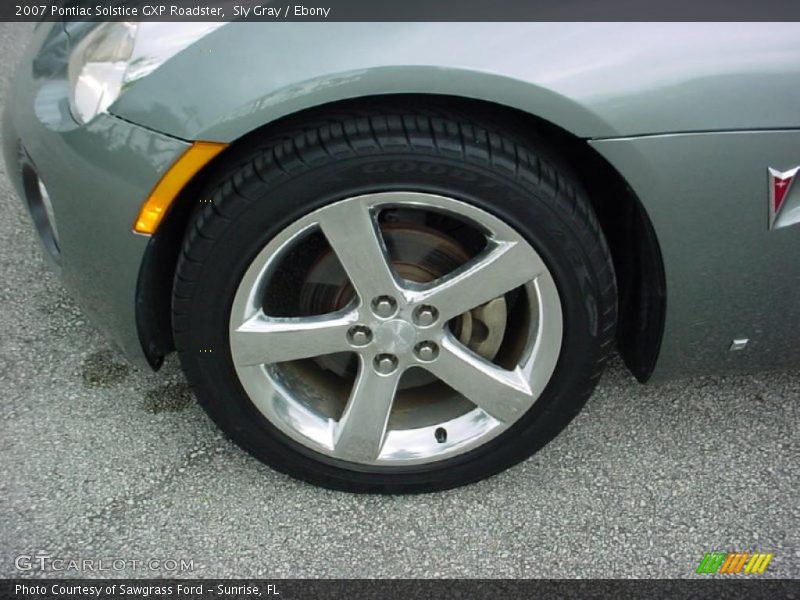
300,167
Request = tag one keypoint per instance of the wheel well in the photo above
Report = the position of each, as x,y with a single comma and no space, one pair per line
631,238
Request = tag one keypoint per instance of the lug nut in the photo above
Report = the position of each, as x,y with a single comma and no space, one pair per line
359,335
425,315
385,363
426,351
384,306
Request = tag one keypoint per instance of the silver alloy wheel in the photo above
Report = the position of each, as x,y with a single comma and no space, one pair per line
394,325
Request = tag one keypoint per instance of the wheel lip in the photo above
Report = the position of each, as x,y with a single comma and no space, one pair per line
268,391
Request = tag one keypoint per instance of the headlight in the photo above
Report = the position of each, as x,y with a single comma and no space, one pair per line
114,55
97,68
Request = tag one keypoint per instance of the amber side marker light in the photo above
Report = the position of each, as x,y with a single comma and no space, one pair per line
196,156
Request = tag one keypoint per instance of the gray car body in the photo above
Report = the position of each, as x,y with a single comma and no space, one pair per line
690,115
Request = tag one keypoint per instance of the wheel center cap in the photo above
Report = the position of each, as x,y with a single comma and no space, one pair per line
396,336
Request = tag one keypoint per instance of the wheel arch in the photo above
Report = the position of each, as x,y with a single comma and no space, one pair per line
632,240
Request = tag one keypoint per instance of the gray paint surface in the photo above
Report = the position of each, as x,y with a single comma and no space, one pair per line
728,276
98,176
592,79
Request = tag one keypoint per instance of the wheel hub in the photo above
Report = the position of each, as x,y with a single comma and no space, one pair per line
395,337
420,255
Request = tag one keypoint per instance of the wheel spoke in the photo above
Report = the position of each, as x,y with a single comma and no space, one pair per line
503,394
362,428
503,267
262,339
355,238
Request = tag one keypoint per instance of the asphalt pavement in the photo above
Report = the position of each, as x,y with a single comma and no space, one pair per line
99,461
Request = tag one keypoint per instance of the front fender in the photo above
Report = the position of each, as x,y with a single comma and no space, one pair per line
591,79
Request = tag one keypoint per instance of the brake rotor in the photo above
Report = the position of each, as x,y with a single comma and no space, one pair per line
420,254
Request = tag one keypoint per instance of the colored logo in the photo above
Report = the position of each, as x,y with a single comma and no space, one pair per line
743,563
780,182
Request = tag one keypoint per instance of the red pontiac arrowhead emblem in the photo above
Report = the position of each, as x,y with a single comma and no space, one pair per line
780,184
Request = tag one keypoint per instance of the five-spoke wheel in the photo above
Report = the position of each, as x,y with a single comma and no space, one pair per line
392,325
393,300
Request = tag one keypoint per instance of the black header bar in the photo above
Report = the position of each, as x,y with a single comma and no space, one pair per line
400,10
